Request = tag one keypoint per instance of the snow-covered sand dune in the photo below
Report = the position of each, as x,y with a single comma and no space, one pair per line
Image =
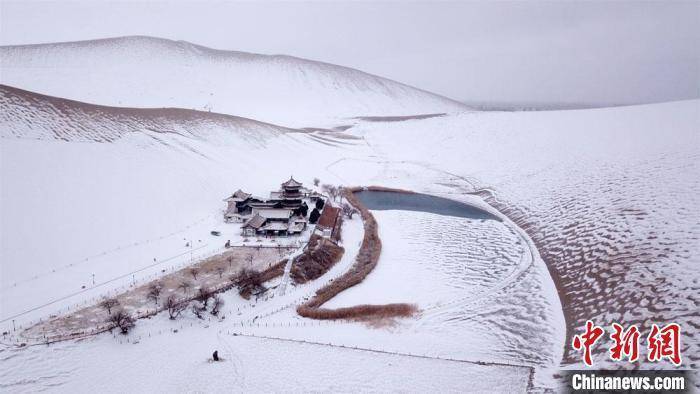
99,190
105,191
154,72
610,197
30,115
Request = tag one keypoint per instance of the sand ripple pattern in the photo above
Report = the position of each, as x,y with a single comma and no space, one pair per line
483,283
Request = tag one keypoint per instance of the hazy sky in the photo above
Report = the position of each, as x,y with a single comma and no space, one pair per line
526,51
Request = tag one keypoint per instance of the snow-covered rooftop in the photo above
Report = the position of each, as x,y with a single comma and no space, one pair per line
274,213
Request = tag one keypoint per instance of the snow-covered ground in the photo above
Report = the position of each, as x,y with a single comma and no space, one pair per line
177,362
605,200
609,196
160,354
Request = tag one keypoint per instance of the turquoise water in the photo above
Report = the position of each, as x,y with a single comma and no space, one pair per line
384,200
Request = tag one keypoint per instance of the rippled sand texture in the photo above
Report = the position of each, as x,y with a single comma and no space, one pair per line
610,197
480,295
636,259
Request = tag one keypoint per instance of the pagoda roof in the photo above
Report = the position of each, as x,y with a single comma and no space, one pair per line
291,183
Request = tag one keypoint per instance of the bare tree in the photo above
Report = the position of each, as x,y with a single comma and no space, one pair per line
194,271
203,296
217,303
230,261
339,192
175,308
348,210
154,292
185,285
331,190
123,320
108,304
316,181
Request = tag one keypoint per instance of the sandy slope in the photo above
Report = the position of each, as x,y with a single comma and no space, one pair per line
29,115
153,72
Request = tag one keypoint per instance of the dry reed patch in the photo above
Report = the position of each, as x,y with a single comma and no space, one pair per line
320,255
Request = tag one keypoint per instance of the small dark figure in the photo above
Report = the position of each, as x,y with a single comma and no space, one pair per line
228,244
216,355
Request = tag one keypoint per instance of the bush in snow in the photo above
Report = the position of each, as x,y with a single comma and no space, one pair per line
122,320
249,282
315,214
319,204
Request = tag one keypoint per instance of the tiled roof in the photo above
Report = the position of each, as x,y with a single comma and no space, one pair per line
274,213
276,226
296,228
239,195
255,222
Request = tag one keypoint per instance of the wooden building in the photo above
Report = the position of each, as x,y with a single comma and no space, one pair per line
329,222
281,214
237,206
270,222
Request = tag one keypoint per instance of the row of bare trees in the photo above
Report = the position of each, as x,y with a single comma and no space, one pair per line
124,321
333,191
200,304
